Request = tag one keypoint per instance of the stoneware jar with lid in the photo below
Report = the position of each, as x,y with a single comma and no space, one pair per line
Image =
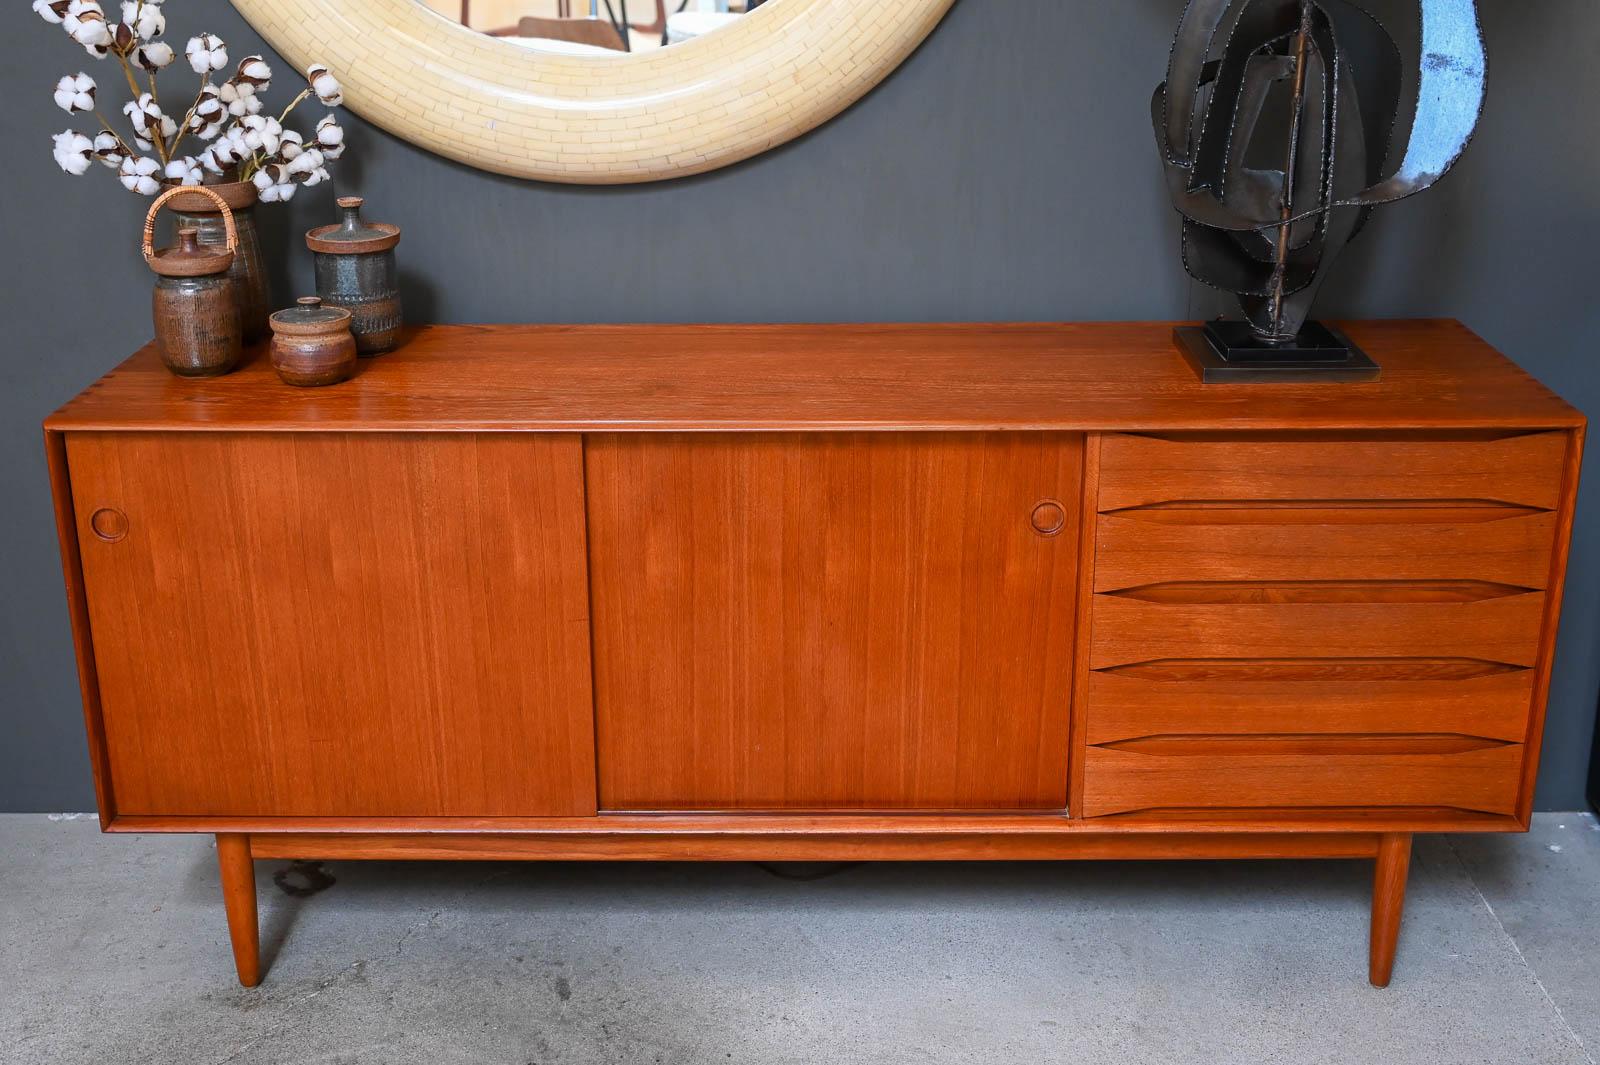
312,345
355,265
195,313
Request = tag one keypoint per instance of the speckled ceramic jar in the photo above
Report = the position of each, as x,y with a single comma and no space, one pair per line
195,315
355,266
312,345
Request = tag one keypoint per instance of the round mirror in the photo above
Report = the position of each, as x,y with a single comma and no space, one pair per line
598,91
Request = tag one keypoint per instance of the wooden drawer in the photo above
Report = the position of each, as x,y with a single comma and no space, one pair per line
1309,696
1500,627
1519,470
1504,545
1276,772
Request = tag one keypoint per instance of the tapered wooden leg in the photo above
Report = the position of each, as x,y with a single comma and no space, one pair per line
239,896
1388,900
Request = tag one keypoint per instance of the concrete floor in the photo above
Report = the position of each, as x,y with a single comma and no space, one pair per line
114,950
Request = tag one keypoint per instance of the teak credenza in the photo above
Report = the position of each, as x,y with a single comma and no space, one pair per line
814,593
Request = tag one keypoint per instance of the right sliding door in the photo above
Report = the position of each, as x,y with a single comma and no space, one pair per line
831,621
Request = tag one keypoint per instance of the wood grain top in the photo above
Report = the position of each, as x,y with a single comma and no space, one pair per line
1105,376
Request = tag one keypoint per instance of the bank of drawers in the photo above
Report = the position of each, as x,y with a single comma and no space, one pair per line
1316,621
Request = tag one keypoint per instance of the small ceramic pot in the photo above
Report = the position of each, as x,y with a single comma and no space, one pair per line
196,317
248,273
356,270
312,345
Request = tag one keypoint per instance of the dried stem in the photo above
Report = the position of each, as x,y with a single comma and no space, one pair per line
292,105
183,127
127,72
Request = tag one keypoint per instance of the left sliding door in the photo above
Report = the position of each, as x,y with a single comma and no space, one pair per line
320,625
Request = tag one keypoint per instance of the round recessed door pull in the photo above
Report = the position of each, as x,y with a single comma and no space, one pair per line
109,524
1049,517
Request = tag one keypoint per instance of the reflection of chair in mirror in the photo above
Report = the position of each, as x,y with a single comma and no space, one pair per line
591,31
659,25
563,10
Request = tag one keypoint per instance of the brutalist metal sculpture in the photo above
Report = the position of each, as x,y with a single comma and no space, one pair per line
1313,86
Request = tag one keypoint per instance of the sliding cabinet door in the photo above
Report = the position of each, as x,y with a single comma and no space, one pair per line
833,621
338,624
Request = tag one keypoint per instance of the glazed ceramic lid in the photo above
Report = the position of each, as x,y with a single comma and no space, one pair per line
355,235
310,318
190,258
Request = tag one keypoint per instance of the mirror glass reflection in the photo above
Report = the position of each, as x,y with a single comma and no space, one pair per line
594,27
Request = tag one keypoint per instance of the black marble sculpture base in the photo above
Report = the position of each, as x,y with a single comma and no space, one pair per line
1231,353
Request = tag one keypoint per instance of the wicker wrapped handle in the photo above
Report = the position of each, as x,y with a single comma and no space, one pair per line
178,190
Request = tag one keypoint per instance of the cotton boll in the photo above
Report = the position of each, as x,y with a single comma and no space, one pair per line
206,53
274,183
325,85
208,159
148,123
85,18
153,55
185,171
139,175
262,133
51,10
73,151
252,132
143,18
253,75
235,141
238,100
330,138
306,163
205,117
108,149
229,149
136,119
86,23
75,93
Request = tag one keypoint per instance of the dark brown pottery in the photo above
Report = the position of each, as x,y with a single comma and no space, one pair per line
196,317
356,270
312,345
249,271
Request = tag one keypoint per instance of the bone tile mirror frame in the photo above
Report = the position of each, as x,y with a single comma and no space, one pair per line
786,68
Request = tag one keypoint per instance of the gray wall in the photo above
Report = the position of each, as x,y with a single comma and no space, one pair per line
1005,172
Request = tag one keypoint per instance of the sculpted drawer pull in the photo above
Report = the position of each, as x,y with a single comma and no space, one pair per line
1049,517
109,524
